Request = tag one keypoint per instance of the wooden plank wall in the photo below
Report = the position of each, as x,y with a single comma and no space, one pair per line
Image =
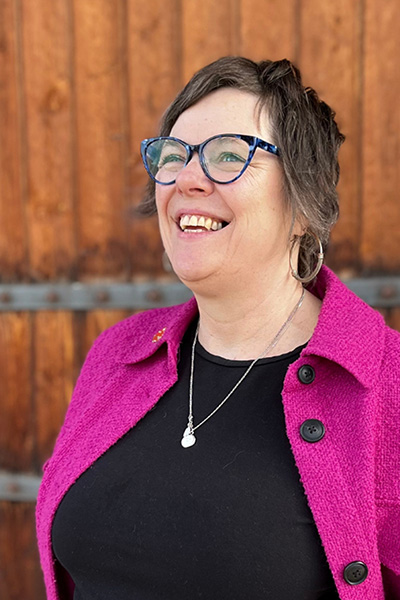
81,83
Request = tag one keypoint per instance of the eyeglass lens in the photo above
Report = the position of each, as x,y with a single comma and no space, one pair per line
223,158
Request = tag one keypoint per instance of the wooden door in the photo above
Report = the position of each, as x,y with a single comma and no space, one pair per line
81,83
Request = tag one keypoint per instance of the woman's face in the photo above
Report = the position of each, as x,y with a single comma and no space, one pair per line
254,241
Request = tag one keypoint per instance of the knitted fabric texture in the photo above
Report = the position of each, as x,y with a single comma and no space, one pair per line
351,477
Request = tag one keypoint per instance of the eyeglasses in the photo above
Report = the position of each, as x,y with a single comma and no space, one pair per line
223,158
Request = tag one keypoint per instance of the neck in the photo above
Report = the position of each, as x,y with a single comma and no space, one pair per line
240,325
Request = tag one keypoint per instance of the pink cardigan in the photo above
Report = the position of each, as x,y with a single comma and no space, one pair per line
351,476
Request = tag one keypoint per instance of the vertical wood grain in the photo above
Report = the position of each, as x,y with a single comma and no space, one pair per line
54,375
96,321
13,247
268,29
330,59
20,574
209,31
100,139
16,417
46,54
154,77
81,83
392,318
380,243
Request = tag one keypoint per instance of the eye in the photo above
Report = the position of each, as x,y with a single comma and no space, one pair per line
229,157
171,160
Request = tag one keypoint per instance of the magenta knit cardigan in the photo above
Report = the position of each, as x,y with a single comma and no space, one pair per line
351,476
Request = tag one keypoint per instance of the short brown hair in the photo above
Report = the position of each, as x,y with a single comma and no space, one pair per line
303,127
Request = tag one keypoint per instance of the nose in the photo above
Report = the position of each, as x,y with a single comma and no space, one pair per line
192,181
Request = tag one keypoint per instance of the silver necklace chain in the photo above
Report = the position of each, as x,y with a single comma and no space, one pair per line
189,438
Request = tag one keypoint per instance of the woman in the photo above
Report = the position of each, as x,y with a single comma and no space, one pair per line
245,444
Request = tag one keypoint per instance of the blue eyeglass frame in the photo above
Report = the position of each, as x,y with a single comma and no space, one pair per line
253,142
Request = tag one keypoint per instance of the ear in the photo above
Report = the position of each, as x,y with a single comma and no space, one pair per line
299,227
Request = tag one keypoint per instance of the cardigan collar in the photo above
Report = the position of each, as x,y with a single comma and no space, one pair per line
348,332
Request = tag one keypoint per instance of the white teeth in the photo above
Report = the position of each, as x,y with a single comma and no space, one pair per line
184,221
199,221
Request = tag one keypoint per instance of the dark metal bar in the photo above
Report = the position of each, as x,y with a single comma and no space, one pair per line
377,291
85,296
382,292
18,487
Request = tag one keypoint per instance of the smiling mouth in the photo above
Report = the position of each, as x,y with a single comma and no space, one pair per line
200,223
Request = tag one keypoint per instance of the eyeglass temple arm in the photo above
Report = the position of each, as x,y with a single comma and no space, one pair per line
268,147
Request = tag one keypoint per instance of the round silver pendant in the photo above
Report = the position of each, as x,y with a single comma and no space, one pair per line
188,438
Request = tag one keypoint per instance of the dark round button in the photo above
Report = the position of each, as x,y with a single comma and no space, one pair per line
312,430
306,374
355,572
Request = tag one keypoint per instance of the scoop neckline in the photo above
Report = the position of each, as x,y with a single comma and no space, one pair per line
219,360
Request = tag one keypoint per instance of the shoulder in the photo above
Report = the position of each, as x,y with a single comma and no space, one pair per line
134,339
389,380
349,332
125,341
389,368
132,329
389,375
392,346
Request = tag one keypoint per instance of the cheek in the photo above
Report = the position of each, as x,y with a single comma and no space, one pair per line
158,196
165,223
162,197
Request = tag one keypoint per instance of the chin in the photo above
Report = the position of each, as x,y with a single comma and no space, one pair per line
191,278
192,270
205,284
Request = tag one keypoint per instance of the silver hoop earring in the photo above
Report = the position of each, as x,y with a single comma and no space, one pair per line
320,260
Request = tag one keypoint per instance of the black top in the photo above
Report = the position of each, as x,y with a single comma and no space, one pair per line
225,519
